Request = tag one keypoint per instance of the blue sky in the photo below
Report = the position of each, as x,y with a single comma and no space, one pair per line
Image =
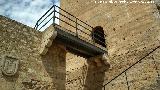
25,11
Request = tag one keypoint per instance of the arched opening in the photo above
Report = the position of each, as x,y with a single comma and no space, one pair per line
98,36
158,7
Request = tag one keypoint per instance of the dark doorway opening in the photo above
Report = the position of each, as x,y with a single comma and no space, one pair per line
98,36
158,7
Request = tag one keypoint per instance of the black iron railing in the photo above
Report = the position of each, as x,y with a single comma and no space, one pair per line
125,71
79,29
71,23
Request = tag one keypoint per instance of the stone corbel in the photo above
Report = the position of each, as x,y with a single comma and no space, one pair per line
47,38
101,61
105,59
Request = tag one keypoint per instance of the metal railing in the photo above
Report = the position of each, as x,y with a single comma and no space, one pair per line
76,24
71,23
125,71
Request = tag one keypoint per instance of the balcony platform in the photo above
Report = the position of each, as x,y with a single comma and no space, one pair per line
76,45
82,42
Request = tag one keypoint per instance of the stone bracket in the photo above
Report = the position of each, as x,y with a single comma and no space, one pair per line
47,38
100,61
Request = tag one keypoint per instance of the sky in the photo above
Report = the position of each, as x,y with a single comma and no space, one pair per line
25,11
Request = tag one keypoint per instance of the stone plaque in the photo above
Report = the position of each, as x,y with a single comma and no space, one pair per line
9,65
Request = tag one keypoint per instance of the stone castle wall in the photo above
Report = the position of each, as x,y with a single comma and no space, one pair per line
133,30
35,72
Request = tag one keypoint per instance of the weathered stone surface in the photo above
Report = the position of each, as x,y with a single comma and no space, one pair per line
10,65
133,30
35,72
47,38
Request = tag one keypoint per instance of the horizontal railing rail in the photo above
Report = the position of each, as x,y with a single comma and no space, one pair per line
50,17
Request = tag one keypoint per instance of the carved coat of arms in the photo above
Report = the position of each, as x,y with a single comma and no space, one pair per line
9,65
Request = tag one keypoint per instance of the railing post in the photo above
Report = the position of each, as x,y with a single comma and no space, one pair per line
127,81
76,28
35,27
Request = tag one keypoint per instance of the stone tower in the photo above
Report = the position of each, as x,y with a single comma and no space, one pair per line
45,60
132,31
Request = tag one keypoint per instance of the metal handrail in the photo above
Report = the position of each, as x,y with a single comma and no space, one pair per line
72,25
131,66
45,18
45,23
69,14
41,23
77,23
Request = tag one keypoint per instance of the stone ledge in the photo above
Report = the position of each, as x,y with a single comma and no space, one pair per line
47,38
100,61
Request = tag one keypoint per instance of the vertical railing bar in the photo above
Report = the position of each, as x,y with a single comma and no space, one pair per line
36,26
42,17
45,13
67,13
127,80
76,18
54,16
73,16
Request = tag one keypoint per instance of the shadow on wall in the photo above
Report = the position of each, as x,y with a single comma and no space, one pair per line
95,77
55,65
